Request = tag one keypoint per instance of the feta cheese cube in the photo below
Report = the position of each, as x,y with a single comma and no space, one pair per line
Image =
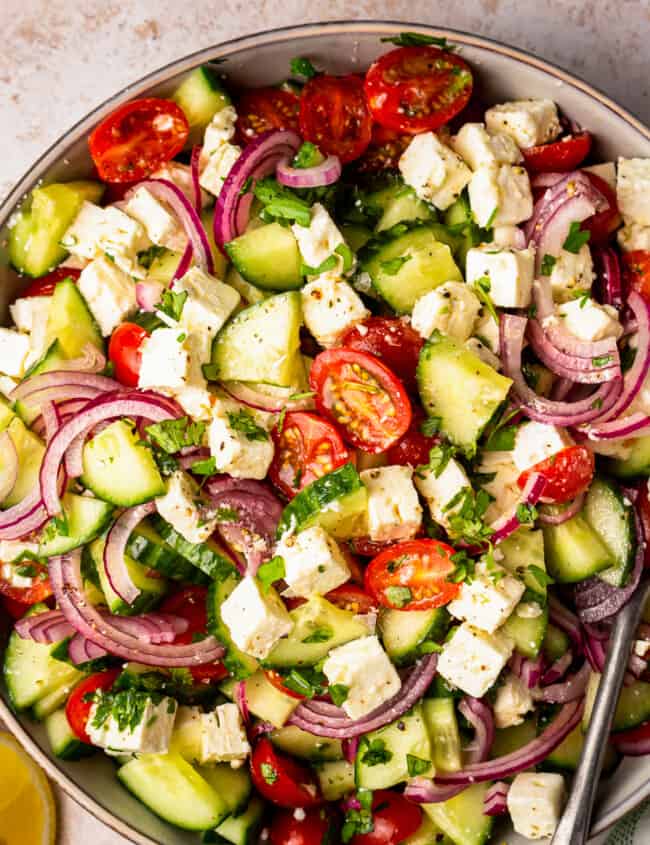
478,148
181,176
572,271
472,660
256,620
7,385
588,320
14,350
528,122
30,315
508,236
632,236
606,171
82,237
11,576
512,702
535,803
223,738
452,308
642,648
182,510
633,190
433,170
318,241
208,305
165,360
509,271
536,441
161,226
330,307
487,331
488,600
503,487
109,293
220,130
151,735
366,670
218,166
500,195
240,453
439,490
314,563
483,352
394,511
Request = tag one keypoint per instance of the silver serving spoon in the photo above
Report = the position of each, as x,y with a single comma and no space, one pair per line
575,823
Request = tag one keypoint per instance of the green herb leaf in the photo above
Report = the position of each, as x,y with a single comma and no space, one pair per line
601,360
173,435
576,238
307,681
502,440
172,304
374,752
398,596
417,39
358,821
302,67
226,514
439,457
548,263
320,635
328,264
307,156
431,426
281,202
270,572
347,255
338,693
244,422
482,287
416,765
146,257
268,773
540,575
27,570
394,265
207,466
526,514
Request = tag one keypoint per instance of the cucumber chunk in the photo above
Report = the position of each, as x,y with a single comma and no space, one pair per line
240,665
398,203
522,549
63,741
613,520
307,746
85,519
461,818
427,834
246,290
70,321
30,451
507,740
458,387
574,551
151,589
201,95
240,830
566,756
442,725
208,557
335,779
264,700
118,469
404,631
262,342
637,462
268,257
556,642
233,785
146,546
527,631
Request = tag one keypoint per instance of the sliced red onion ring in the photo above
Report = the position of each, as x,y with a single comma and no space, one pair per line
610,276
195,174
556,515
480,717
148,294
546,180
558,669
266,398
630,743
81,650
47,627
241,700
569,690
64,378
114,561
350,748
496,799
571,367
637,665
9,472
325,173
261,729
528,671
509,523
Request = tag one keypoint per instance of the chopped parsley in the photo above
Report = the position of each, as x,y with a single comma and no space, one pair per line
439,457
583,296
301,66
482,287
601,360
502,440
464,567
244,422
394,265
526,514
465,514
373,752
27,570
358,821
548,263
268,773
270,572
307,681
146,257
417,39
398,596
540,575
328,264
320,635
226,514
338,693
173,435
172,304
307,156
431,426
281,203
576,238
206,466
416,765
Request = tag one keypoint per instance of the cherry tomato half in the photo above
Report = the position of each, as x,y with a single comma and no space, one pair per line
334,115
384,151
15,609
392,340
414,447
276,680
637,271
416,89
138,138
40,590
46,284
559,156
394,820
317,827
80,702
567,474
306,448
263,109
281,779
351,597
362,396
602,225
125,353
413,575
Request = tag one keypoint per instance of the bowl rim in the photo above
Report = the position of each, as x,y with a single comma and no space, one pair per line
223,49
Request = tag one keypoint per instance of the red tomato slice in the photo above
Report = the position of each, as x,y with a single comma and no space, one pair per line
80,702
335,117
394,820
602,225
281,779
362,396
567,474
15,609
317,827
366,547
138,138
306,448
415,89
559,156
639,735
276,680
392,340
40,590
414,448
46,284
413,575
384,151
637,271
263,109
351,597
124,352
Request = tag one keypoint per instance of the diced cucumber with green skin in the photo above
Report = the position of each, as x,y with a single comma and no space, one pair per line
307,746
262,342
51,360
240,830
429,263
336,779
34,239
507,740
355,235
427,834
70,321
612,519
163,266
566,756
633,706
556,642
30,451
63,741
403,632
118,469
408,736
233,785
522,549
30,672
146,546
172,789
527,632
456,386
574,551
151,589
268,257
442,725
336,501
459,215
461,818
399,204
264,700
637,462
315,615
45,706
85,519
208,557
240,665
249,293
201,95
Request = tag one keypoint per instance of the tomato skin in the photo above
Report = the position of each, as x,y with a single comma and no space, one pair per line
394,820
276,680
15,609
124,350
137,138
293,784
77,710
362,396
637,271
567,474
314,829
414,447
422,566
640,734
603,224
46,284
351,597
306,448
334,115
384,151
559,156
263,109
40,590
416,89
390,339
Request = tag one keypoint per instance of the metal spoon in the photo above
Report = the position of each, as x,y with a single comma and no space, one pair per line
575,824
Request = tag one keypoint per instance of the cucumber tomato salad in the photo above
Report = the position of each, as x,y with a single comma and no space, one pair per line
325,444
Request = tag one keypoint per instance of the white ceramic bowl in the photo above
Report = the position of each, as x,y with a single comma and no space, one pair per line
502,73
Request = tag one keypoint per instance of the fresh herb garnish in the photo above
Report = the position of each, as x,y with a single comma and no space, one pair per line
576,238
244,422
373,752
601,360
302,67
417,39
431,426
465,512
320,635
270,572
146,257
358,821
207,466
226,514
482,287
540,575
394,265
307,681
548,263
464,567
173,435
328,264
27,570
398,596
338,693
268,773
347,255
583,296
307,156
439,457
172,304
502,439
416,765
281,202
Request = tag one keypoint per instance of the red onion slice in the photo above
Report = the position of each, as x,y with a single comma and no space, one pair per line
496,799
47,627
509,523
609,271
272,403
571,367
63,378
557,670
480,717
195,174
350,748
569,690
81,650
529,671
9,472
148,294
114,562
557,515
325,173
241,700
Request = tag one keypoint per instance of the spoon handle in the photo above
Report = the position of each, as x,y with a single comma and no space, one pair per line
575,824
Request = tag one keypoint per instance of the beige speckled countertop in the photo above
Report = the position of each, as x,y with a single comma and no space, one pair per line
60,58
